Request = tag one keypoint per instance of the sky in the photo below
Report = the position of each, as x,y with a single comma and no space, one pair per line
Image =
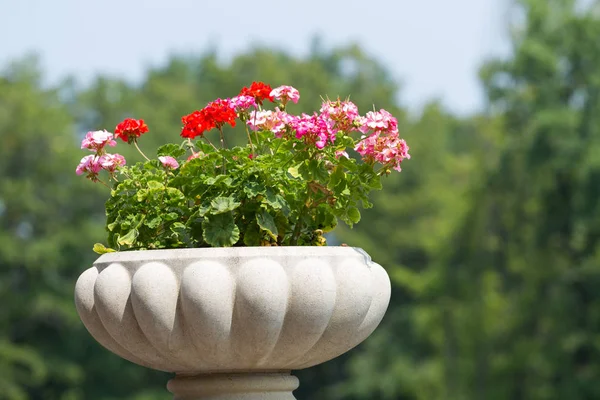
432,47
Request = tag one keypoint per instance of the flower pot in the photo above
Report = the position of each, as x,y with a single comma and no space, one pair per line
232,323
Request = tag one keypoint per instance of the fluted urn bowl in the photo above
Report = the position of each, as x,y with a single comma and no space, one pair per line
232,310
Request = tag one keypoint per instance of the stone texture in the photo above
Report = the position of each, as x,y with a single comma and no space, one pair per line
226,310
275,386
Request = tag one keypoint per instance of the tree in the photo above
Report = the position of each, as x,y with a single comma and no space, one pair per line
520,318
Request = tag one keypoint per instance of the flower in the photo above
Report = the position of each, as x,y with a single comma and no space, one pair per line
342,113
93,164
131,129
259,90
286,93
195,155
97,140
378,120
110,162
194,124
314,129
89,164
386,149
214,115
274,121
242,102
168,162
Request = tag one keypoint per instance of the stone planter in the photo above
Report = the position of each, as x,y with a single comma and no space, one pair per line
232,323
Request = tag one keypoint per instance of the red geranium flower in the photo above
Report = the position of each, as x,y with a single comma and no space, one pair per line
259,90
130,129
214,115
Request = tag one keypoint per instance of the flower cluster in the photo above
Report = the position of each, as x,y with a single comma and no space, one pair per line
381,141
214,115
168,162
291,183
285,94
96,141
92,164
131,129
341,113
267,120
242,103
259,91
316,129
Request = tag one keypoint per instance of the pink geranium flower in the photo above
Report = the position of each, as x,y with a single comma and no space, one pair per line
378,121
89,165
385,148
97,140
314,129
110,162
274,121
285,94
242,103
168,162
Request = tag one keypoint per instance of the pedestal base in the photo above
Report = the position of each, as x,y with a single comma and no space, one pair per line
249,386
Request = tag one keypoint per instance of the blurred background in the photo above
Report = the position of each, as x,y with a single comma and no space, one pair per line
491,234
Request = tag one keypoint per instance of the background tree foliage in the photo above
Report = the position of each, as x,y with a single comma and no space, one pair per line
490,234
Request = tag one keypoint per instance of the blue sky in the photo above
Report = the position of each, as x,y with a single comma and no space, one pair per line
433,47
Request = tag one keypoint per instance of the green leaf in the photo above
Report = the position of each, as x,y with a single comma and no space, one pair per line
170,149
142,194
353,214
252,235
375,182
153,223
99,248
253,189
282,224
337,177
171,216
326,220
203,210
348,163
293,171
129,238
175,193
224,204
267,223
276,201
220,230
219,179
176,226
155,185
318,171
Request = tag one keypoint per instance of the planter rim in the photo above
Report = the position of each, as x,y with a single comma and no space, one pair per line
233,252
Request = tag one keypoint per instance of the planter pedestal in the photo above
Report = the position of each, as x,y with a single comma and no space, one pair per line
250,386
232,322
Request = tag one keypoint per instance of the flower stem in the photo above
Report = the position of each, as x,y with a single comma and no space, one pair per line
223,147
222,137
254,124
102,182
140,150
209,142
191,146
249,139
